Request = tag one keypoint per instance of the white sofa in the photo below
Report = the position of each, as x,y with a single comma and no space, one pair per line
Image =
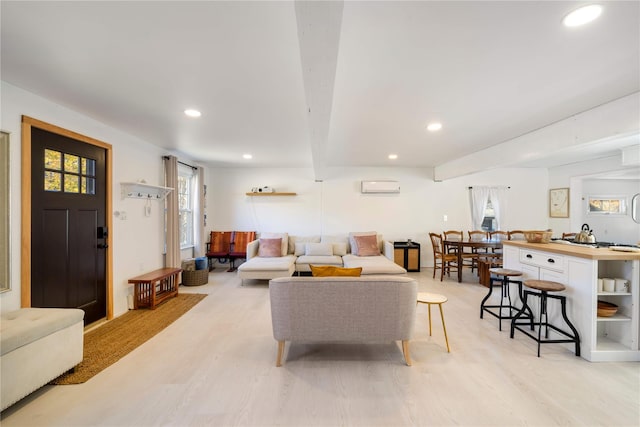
36,346
343,309
303,251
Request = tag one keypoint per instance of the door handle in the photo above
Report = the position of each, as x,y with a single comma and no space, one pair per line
529,256
551,260
102,246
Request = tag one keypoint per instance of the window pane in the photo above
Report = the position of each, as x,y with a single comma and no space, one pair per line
71,163
52,181
89,167
183,201
71,184
52,159
88,185
182,185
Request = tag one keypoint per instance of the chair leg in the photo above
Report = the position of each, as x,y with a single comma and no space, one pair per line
280,352
405,351
429,308
444,328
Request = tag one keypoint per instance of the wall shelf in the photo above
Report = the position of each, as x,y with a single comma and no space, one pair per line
271,194
139,190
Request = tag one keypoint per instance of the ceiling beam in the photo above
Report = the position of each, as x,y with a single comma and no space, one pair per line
619,118
319,26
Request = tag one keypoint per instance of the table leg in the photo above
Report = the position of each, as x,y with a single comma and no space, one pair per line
460,248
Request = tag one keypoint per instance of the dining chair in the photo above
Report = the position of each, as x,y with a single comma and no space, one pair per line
441,259
516,235
466,256
452,235
500,236
475,236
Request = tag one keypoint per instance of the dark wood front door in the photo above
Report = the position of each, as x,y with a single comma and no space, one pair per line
68,228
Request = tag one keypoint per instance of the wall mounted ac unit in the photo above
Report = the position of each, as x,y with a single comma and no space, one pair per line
380,187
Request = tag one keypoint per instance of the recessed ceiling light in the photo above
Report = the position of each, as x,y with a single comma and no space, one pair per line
582,15
247,156
432,127
393,156
192,113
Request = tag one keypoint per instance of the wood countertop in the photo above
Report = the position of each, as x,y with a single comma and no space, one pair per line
575,250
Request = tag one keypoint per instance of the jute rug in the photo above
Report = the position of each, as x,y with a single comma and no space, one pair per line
108,343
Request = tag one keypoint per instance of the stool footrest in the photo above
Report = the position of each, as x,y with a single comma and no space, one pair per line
543,295
571,338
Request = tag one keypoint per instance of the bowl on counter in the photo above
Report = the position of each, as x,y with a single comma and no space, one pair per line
538,236
606,309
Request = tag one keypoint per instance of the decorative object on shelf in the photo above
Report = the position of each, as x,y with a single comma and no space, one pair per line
606,309
265,189
559,203
142,190
542,236
271,194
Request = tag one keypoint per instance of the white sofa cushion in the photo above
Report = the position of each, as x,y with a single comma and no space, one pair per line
318,249
373,264
268,264
294,240
338,241
320,260
340,248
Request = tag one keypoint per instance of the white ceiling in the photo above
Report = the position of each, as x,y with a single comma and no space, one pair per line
324,84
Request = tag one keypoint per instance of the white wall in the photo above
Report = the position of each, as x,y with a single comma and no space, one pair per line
588,178
611,228
137,242
336,206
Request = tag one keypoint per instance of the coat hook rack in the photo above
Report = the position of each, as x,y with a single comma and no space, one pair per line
138,190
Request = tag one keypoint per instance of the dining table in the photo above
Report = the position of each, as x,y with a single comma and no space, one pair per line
461,244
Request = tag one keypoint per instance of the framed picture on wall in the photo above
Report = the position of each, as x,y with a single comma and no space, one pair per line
559,203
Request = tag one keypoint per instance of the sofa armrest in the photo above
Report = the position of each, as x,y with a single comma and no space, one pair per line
252,249
388,249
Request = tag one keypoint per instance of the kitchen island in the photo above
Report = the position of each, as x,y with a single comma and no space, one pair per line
612,338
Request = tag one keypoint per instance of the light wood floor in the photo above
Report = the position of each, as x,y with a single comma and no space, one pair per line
215,366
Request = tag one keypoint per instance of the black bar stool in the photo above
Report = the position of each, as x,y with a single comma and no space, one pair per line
546,286
503,280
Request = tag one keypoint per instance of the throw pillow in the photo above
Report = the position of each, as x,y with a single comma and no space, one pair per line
340,249
328,271
336,239
366,245
294,240
318,249
270,248
284,242
352,241
300,248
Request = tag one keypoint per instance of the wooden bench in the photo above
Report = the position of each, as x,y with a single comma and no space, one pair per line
152,288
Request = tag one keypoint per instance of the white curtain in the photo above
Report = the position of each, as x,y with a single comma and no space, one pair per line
479,199
198,220
498,197
172,257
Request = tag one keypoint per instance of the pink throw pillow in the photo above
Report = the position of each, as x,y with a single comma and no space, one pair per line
270,248
367,245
